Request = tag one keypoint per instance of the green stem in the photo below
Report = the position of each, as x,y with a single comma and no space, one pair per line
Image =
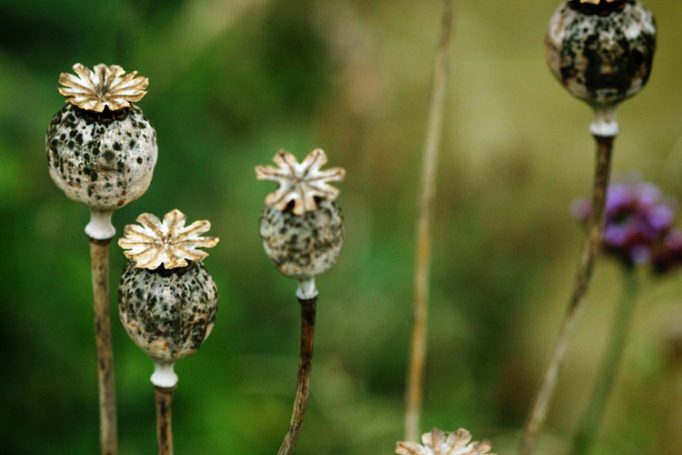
589,425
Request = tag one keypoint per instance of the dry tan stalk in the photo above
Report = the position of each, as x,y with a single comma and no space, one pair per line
427,196
99,257
164,419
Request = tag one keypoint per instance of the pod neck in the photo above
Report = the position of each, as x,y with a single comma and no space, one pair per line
306,289
100,227
164,377
604,123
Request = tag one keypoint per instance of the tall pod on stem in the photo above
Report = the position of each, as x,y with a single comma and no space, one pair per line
427,196
101,151
167,300
602,52
302,231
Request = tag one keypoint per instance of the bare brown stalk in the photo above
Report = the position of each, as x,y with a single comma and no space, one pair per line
99,258
545,391
164,419
427,195
305,364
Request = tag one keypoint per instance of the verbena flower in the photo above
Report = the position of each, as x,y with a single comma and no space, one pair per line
669,255
639,225
438,442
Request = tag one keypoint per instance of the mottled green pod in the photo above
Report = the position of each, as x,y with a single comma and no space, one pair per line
104,160
304,246
602,50
168,313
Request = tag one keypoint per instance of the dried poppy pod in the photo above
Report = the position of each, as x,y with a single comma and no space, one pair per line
301,225
302,231
167,299
101,149
602,52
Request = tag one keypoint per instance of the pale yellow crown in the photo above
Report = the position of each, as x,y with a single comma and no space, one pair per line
170,243
104,86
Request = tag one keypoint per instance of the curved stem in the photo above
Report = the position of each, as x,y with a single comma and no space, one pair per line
427,196
305,365
99,258
589,424
164,419
545,392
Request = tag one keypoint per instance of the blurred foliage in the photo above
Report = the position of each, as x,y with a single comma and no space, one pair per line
234,81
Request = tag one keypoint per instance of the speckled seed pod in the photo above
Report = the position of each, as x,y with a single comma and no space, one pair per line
168,313
167,299
602,50
101,149
304,246
301,225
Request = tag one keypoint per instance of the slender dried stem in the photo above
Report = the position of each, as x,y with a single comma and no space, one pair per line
164,419
427,195
589,425
99,257
305,365
545,392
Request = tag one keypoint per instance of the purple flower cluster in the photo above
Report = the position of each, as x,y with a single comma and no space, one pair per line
639,227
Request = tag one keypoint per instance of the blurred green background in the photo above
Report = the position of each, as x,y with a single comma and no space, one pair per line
231,82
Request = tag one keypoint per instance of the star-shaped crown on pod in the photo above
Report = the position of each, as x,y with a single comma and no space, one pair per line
169,242
105,86
437,442
300,183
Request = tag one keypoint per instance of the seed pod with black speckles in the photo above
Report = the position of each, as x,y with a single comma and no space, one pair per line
167,298
302,232
602,50
303,246
101,149
302,225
